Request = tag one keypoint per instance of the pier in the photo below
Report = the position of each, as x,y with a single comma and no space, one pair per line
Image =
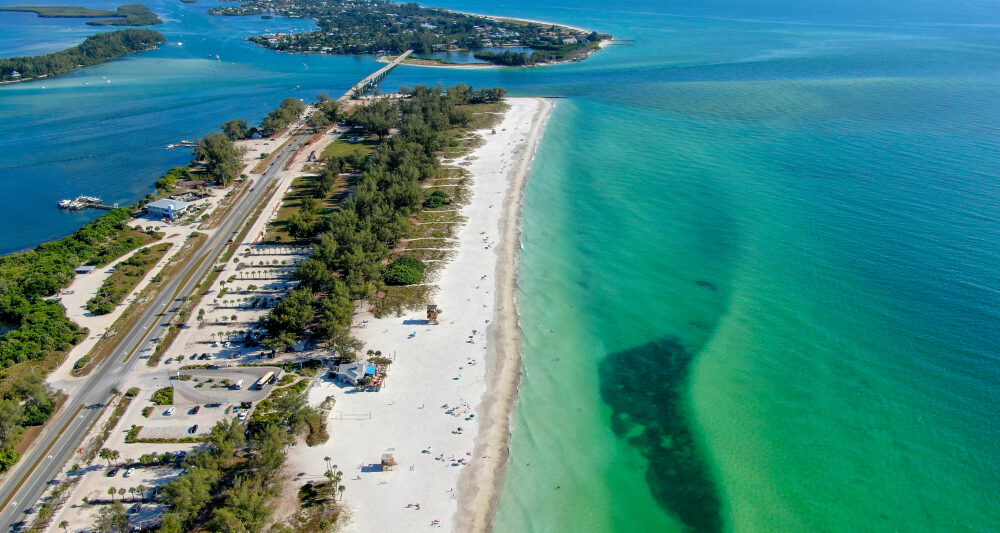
373,79
82,202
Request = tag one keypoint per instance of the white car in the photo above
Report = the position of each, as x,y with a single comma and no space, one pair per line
168,412
242,415
129,472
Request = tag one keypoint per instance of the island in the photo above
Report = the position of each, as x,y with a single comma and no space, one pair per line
93,50
385,28
126,15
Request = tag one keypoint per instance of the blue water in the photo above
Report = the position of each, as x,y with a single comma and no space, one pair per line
759,284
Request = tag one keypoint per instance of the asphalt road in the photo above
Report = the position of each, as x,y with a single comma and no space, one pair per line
27,486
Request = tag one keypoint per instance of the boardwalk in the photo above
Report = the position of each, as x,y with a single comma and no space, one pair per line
374,78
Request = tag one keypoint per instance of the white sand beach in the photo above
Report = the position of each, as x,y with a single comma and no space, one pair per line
461,373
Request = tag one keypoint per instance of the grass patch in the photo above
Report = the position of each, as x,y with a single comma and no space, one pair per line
109,342
403,298
342,147
126,276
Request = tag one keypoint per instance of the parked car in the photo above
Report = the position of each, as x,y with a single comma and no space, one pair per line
193,429
242,415
129,472
168,361
112,472
195,409
169,411
135,508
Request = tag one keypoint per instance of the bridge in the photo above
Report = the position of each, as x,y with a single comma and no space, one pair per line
374,78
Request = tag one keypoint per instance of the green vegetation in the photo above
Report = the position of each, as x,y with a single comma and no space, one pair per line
232,483
353,243
236,129
223,159
164,396
279,119
544,53
437,199
405,271
275,122
126,276
26,279
385,27
168,182
92,51
26,402
126,15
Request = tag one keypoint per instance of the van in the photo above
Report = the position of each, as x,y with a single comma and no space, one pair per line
238,385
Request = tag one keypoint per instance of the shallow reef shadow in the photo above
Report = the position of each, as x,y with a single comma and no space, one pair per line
645,387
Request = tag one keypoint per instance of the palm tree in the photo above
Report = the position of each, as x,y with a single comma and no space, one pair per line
115,454
64,525
131,493
121,492
341,490
141,489
111,492
105,454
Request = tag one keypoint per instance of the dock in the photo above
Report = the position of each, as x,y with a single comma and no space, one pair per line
82,202
373,79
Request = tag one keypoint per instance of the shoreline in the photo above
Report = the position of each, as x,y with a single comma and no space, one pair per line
517,19
430,63
444,413
479,488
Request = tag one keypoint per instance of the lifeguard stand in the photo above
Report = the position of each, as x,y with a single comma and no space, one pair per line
432,313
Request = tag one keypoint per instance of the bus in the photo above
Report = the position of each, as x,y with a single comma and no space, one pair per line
265,379
238,385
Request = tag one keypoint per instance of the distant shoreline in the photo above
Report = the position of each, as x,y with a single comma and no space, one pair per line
516,19
435,63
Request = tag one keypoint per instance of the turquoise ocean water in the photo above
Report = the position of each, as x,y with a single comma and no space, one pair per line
759,283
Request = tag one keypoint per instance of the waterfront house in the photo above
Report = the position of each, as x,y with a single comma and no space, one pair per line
166,208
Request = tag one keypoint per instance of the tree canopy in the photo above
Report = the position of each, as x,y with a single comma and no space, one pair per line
92,51
223,159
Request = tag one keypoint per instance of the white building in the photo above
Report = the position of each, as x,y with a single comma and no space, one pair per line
354,372
166,208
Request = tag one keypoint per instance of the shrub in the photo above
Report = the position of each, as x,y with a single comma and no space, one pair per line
405,271
437,199
132,393
7,459
164,396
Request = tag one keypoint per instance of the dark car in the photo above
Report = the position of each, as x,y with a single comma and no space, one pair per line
135,508
195,409
193,429
113,472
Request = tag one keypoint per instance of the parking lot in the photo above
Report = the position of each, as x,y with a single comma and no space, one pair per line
207,386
